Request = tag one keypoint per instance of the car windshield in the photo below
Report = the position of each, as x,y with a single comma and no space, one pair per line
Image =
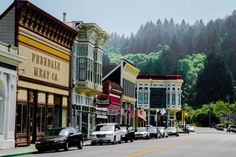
151,128
171,128
161,128
141,129
123,128
104,128
57,132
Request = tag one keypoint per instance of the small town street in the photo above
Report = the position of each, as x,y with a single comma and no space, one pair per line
205,142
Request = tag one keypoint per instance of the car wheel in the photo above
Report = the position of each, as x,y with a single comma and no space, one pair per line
119,141
92,143
114,140
40,150
66,146
80,145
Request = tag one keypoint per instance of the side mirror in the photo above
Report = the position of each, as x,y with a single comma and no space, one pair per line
70,134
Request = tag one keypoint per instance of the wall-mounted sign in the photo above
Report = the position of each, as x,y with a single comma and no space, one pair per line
102,101
44,67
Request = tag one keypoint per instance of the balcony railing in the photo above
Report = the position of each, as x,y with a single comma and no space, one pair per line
173,107
8,48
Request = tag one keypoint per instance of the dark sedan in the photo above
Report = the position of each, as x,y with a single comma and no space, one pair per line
60,138
127,133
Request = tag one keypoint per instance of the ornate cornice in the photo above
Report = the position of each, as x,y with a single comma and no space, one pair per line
91,32
40,22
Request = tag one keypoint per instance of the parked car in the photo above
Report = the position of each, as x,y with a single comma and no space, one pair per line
127,133
231,128
219,127
172,131
60,138
142,132
106,133
154,132
163,132
189,128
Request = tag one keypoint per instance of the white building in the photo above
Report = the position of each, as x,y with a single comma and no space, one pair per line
86,73
9,60
159,93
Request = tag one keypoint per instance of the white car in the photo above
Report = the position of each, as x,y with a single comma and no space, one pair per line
142,132
189,128
163,132
106,133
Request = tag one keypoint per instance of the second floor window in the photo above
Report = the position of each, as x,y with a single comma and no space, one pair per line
82,69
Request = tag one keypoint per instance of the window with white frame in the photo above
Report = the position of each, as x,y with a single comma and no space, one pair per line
143,97
173,99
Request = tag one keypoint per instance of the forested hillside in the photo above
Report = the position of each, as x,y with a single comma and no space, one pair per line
204,54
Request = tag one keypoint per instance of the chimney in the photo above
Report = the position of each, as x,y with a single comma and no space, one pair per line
64,16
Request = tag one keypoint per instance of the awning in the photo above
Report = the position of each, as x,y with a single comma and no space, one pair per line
102,117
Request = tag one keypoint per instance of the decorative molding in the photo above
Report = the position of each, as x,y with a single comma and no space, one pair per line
36,20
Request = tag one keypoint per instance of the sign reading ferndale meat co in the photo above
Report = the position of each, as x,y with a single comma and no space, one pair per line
45,62
44,67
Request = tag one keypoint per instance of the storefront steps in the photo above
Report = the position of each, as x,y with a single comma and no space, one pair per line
20,151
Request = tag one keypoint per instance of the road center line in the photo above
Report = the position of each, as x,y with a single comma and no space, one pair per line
164,147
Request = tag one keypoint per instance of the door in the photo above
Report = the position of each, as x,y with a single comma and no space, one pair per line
57,110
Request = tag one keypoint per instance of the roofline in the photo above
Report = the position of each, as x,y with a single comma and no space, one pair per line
7,10
52,17
160,77
111,72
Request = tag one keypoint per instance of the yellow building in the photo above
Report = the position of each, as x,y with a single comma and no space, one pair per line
44,79
125,75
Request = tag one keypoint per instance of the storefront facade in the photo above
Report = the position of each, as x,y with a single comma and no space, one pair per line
87,74
111,100
160,97
43,88
125,75
9,60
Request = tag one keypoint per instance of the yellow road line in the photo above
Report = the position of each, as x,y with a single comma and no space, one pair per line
164,147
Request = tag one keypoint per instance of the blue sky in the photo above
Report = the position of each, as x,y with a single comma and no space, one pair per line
126,16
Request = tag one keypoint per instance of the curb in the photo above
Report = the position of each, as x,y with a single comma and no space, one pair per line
17,154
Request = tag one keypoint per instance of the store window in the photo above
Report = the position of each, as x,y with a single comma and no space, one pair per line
49,117
21,118
40,118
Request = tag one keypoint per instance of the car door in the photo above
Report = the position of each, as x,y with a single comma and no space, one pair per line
71,137
118,132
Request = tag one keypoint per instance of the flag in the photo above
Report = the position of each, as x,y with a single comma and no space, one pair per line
163,111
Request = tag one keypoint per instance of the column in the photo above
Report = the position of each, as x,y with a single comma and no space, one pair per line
89,125
12,108
170,95
148,117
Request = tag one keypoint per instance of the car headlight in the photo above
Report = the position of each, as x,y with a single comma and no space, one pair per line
59,140
37,142
109,135
93,136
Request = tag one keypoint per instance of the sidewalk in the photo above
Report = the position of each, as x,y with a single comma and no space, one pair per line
20,151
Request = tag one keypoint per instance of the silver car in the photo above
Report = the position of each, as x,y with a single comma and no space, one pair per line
163,131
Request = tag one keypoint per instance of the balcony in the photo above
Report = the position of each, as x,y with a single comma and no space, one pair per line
98,87
173,107
84,87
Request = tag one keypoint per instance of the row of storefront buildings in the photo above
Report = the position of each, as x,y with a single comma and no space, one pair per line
51,75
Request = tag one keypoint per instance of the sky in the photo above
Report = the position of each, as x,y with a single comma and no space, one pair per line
126,16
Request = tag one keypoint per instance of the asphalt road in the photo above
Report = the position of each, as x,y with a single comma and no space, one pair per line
205,142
